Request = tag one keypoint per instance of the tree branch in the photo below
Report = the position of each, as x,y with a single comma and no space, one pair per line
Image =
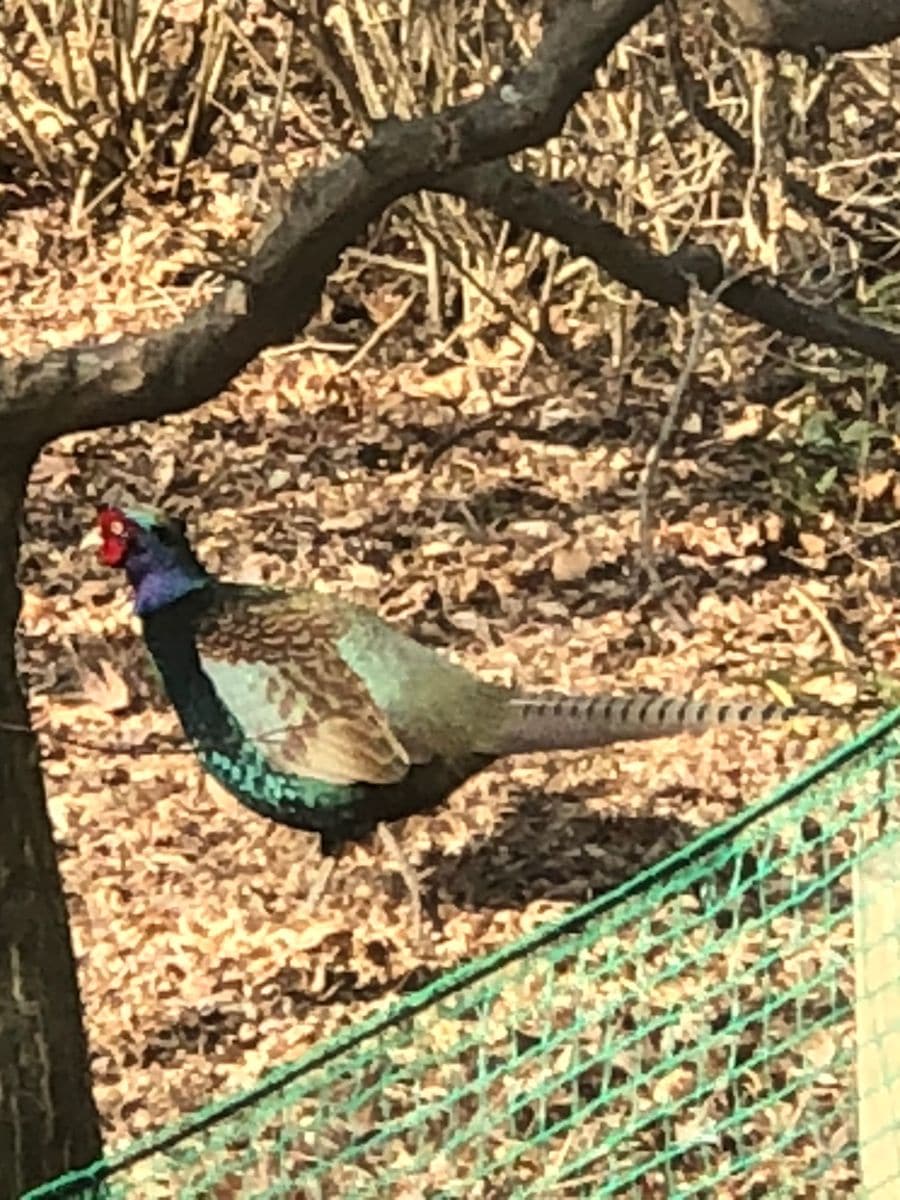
85,387
546,207
176,369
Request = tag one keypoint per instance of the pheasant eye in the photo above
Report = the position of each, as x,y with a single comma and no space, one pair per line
116,528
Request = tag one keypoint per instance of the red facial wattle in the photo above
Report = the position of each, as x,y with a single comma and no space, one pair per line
114,533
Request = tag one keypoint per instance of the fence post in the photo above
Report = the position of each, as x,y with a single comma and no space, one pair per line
876,892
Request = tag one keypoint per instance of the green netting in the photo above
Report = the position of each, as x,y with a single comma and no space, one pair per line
702,1031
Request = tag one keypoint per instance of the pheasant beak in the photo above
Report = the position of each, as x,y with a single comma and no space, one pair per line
92,540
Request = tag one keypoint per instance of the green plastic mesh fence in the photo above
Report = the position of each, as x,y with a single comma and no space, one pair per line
726,1024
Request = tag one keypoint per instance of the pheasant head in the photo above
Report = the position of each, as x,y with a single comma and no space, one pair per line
153,550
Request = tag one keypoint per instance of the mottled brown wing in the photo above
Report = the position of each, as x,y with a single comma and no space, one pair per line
274,662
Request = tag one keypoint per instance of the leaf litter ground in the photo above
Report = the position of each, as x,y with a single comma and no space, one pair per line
490,513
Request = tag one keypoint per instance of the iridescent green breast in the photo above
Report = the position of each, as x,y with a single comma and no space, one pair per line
221,743
288,799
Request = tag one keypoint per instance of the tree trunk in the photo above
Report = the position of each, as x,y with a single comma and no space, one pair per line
48,1122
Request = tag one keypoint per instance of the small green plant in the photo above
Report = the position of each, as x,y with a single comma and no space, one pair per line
823,449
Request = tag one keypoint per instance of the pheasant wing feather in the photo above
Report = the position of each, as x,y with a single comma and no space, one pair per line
275,665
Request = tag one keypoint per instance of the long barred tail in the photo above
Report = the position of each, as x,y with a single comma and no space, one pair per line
584,722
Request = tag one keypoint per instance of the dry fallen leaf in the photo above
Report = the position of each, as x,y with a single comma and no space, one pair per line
106,688
748,425
873,487
571,562
840,692
814,545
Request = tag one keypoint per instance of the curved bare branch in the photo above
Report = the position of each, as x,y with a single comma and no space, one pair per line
549,209
85,387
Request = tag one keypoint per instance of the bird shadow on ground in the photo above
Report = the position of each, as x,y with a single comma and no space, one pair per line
550,846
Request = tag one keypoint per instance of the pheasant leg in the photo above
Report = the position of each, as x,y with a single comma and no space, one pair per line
320,880
408,875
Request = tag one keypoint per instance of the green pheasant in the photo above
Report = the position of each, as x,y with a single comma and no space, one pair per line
319,715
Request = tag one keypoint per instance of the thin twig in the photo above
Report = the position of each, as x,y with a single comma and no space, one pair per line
380,332
820,616
215,54
501,304
703,306
104,748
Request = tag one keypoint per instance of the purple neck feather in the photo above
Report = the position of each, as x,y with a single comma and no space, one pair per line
159,588
160,575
